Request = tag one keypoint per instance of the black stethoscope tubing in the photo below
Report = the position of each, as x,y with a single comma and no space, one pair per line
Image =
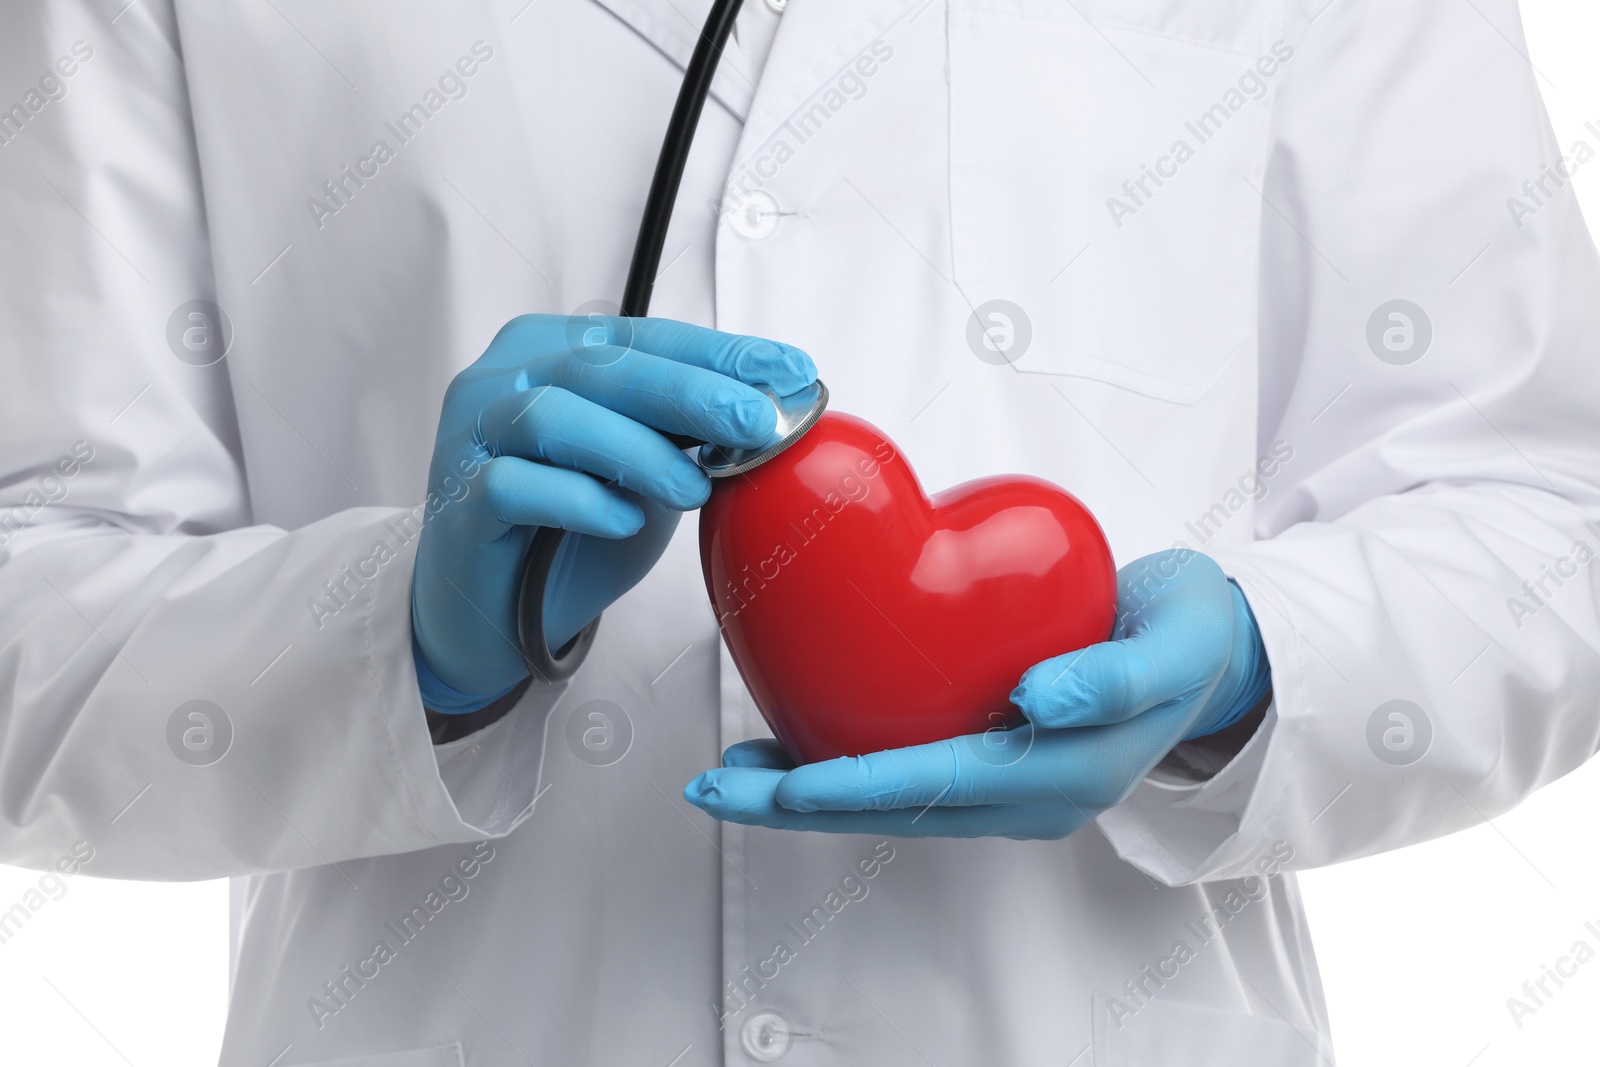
647,249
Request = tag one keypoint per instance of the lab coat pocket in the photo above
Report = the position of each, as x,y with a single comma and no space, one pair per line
438,1056
1105,158
1173,1034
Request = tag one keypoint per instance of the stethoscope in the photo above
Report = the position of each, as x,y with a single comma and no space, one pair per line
797,412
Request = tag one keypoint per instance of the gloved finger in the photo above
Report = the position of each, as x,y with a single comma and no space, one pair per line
517,492
567,430
903,777
1105,683
752,360
1179,627
747,797
766,754
593,573
1089,769
961,772
664,394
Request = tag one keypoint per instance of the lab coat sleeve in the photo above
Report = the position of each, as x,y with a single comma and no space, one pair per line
190,693
1424,571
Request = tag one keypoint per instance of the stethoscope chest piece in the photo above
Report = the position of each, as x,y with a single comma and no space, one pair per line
797,413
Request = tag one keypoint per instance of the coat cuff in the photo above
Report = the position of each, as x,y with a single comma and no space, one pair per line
1206,812
480,785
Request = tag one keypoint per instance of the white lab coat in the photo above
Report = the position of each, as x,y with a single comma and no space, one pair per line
1210,323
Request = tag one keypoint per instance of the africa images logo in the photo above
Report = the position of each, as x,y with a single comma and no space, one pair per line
339,991
340,190
1399,733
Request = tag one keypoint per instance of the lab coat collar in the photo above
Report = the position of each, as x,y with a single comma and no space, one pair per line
673,27
817,40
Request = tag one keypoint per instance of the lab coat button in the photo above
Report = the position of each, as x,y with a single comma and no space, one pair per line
778,5
766,1036
755,217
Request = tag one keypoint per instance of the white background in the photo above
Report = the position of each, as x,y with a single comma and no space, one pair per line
1420,949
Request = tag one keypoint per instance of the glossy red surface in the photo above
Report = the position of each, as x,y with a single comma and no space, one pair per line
863,615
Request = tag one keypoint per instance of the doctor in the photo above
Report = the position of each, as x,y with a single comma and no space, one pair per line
1290,294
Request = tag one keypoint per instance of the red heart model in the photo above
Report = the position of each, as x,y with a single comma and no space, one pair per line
864,616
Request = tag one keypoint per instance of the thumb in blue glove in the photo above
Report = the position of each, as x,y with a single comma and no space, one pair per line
1185,645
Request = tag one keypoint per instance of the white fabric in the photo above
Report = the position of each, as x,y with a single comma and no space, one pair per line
1224,322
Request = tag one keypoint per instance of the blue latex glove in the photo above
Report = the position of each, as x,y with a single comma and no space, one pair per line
1185,659
555,425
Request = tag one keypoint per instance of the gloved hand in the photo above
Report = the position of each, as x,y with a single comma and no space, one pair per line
1185,659
555,425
